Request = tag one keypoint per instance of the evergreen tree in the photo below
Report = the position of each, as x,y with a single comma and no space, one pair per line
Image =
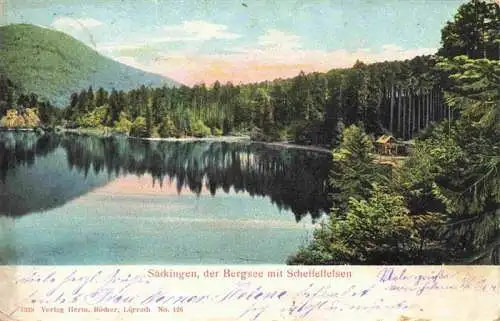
101,97
82,105
167,128
377,230
475,31
149,121
354,169
90,99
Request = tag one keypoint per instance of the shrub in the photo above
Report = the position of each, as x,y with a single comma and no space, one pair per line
167,128
12,119
258,135
31,119
139,128
216,131
93,119
199,129
123,125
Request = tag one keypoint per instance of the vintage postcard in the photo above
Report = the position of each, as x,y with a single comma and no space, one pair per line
249,160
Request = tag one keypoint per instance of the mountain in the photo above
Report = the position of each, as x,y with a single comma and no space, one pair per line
53,65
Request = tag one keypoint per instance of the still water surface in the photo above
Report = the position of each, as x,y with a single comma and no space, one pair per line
68,199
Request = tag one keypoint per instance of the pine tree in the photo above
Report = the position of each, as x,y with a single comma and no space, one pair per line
354,170
90,99
149,121
101,97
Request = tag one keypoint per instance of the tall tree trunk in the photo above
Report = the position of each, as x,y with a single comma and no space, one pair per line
404,113
443,111
434,106
438,110
410,113
392,110
438,104
442,105
427,108
431,105
449,113
415,112
399,110
419,110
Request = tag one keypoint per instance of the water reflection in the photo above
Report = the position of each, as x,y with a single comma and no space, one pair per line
42,172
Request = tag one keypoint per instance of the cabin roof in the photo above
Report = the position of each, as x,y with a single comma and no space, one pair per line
385,139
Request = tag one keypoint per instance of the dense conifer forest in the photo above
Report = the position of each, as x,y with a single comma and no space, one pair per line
397,97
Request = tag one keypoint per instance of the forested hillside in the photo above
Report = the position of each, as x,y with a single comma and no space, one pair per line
52,65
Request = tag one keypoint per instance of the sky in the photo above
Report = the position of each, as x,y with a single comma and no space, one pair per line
200,41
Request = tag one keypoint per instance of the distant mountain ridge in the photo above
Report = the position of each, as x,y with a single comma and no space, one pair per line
53,65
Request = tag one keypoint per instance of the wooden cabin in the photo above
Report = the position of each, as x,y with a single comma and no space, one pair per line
386,145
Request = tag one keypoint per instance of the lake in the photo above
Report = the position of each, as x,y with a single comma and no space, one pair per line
70,199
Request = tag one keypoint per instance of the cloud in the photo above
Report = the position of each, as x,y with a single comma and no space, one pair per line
259,65
275,54
188,31
197,30
78,24
279,40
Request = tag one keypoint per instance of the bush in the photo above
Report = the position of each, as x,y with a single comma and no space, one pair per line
199,129
31,119
123,125
93,119
12,119
139,128
39,131
155,133
167,128
216,131
377,230
258,135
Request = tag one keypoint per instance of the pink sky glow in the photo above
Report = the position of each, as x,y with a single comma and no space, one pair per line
252,65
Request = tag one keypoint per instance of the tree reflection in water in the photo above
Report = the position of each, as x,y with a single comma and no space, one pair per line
293,179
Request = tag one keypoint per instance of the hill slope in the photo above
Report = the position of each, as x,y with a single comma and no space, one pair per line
54,65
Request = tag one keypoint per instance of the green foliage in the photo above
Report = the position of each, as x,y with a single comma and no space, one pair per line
474,31
53,64
430,159
455,169
94,119
217,132
452,174
167,128
308,109
149,121
447,193
374,231
199,129
354,170
123,125
139,128
474,90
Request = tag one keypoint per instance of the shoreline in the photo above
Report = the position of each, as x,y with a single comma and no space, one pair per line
196,139
229,139
382,159
297,146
